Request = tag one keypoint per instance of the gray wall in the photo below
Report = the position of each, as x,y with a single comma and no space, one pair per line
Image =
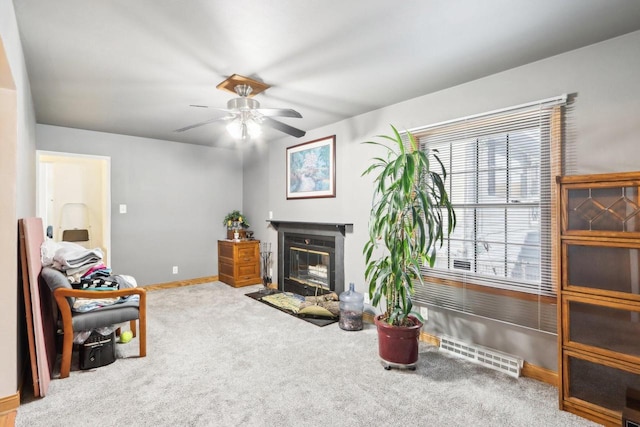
602,137
176,196
13,355
255,191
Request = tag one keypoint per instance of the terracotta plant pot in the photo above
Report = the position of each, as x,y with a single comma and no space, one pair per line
398,345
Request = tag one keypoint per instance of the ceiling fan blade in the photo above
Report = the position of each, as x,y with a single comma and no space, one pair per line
213,108
282,127
206,122
279,112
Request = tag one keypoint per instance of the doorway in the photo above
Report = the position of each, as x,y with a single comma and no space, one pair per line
73,198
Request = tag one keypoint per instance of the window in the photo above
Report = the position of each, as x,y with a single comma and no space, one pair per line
501,169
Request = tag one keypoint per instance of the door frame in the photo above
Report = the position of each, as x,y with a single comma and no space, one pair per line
106,213
13,359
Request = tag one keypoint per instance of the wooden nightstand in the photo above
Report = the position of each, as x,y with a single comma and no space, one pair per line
239,262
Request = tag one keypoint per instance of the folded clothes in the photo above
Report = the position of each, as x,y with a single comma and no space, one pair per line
96,268
66,258
110,283
119,281
83,305
49,248
77,273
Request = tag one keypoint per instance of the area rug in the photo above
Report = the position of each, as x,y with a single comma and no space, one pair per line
287,304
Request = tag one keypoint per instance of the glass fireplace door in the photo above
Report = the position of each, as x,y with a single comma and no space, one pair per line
310,267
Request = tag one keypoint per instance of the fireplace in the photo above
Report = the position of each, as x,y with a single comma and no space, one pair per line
309,264
310,257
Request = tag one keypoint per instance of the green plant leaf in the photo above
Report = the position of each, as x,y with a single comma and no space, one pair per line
406,223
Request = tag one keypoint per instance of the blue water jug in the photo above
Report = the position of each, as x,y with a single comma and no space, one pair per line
351,307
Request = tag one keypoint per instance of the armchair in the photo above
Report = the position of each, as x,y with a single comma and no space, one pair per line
71,321
46,321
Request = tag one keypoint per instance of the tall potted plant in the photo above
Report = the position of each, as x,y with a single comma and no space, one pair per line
410,214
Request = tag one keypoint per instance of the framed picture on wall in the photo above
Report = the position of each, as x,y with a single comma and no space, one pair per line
311,169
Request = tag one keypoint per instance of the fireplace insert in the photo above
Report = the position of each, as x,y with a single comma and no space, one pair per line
309,264
310,256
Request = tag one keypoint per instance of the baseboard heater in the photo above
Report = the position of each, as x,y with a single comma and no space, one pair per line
493,359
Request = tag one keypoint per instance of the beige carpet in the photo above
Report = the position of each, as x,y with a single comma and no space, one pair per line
218,358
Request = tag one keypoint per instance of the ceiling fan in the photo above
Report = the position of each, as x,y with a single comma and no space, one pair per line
244,115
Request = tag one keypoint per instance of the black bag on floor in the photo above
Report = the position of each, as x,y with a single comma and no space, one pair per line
98,350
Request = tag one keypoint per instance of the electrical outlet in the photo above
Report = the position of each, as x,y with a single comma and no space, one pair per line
175,269
123,209
424,312
366,298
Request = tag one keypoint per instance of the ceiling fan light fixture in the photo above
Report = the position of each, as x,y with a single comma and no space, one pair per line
245,117
241,128
253,128
242,104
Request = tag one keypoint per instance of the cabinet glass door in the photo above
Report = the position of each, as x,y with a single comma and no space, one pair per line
599,384
603,268
611,327
613,208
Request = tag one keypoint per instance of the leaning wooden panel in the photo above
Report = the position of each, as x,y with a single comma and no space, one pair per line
41,328
26,291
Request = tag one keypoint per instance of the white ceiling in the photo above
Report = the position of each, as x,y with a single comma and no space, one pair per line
134,67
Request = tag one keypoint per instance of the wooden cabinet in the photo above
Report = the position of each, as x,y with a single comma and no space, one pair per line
599,295
239,262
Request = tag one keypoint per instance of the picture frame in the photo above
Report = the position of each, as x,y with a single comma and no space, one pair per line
311,169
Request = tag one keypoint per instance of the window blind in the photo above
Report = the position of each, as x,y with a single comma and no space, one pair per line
501,167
